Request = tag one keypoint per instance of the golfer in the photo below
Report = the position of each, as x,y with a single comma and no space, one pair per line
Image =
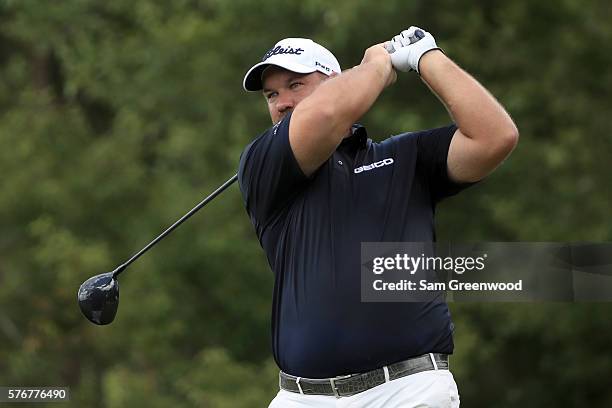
315,186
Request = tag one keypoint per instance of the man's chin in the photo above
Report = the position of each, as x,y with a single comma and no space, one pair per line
280,118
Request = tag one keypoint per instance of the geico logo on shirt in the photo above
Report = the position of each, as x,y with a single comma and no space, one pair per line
375,165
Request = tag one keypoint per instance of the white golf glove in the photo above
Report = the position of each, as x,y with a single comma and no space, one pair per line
408,47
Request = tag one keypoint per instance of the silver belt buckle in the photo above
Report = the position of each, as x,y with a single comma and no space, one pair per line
333,380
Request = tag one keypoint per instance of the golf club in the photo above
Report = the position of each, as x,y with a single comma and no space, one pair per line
99,295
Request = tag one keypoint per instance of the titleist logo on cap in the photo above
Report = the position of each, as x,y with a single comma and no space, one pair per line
280,50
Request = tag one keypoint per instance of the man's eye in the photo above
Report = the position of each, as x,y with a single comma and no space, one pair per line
295,85
271,95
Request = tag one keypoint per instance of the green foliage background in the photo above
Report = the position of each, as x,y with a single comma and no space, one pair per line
116,117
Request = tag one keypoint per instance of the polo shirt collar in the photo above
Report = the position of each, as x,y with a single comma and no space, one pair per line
358,138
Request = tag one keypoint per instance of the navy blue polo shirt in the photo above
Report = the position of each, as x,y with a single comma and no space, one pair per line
311,229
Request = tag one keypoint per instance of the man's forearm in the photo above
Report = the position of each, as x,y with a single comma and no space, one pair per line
346,97
323,119
475,111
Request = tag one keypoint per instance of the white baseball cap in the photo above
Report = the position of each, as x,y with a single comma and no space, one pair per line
299,55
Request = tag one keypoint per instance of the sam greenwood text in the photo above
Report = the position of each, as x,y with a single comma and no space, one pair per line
453,284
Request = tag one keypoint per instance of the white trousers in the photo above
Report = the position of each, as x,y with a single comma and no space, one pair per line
427,389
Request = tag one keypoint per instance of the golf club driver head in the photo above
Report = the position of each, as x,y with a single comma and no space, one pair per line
99,298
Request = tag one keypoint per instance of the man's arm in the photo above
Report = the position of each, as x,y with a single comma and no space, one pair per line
323,119
486,133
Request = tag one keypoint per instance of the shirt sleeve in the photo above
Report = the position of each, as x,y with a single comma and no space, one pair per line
432,155
269,175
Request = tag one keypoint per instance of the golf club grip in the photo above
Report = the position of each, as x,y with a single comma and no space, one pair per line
416,36
171,228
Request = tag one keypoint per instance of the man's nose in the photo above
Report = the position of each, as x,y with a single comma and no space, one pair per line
284,103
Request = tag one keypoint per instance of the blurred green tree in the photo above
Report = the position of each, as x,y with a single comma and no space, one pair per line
117,117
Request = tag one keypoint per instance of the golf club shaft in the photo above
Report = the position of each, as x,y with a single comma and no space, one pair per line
171,228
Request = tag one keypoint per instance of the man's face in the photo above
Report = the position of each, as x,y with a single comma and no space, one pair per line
284,89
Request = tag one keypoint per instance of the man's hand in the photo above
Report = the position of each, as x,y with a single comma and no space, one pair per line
377,54
407,48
